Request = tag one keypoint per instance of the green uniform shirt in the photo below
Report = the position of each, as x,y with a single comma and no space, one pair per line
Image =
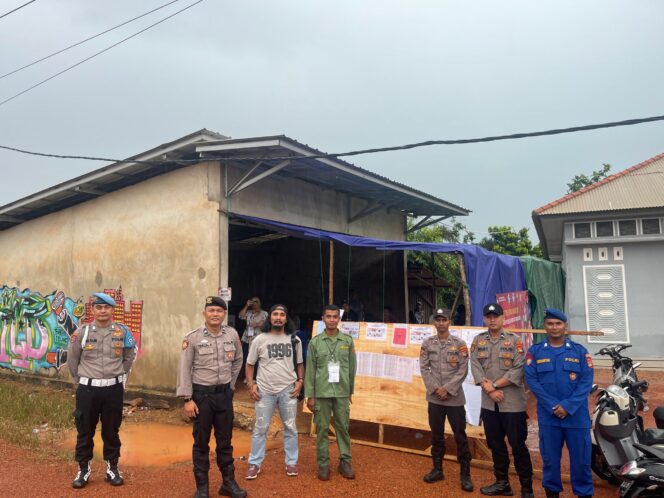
323,349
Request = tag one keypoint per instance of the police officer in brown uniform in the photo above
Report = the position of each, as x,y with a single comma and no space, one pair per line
444,367
99,357
210,361
497,358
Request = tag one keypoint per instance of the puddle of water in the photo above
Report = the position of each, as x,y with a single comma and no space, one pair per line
164,444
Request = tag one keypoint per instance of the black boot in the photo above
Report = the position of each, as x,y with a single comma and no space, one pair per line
202,486
229,487
466,483
113,474
499,488
551,494
82,476
435,474
527,488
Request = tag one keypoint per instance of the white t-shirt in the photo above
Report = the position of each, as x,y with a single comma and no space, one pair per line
274,354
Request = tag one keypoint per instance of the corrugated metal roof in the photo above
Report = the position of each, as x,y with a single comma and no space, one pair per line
638,187
335,173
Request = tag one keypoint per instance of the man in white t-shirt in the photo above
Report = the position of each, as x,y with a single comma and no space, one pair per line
279,382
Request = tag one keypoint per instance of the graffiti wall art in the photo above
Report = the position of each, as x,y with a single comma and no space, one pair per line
35,329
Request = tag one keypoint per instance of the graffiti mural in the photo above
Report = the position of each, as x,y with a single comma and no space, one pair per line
35,329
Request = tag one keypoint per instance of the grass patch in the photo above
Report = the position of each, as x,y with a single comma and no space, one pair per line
26,408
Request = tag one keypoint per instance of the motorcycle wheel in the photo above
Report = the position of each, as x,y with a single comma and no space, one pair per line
601,468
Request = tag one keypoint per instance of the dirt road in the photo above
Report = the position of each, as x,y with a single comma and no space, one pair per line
381,473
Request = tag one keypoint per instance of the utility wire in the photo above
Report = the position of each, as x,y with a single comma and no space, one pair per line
558,131
86,40
98,53
17,8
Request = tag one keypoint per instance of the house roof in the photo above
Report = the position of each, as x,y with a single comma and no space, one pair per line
205,145
638,187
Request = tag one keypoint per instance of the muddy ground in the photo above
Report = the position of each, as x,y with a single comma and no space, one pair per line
156,461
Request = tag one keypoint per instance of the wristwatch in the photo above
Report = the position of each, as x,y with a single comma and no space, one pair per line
494,385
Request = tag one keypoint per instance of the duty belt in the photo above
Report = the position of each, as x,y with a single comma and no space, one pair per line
86,381
219,388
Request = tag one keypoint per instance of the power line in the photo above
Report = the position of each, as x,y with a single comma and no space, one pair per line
17,8
86,40
514,136
98,53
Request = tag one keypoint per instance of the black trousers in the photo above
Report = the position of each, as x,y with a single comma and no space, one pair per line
499,425
215,410
457,417
93,404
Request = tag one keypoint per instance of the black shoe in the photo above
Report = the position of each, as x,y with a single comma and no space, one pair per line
346,470
436,473
229,486
113,474
551,494
82,476
499,488
202,486
466,483
527,488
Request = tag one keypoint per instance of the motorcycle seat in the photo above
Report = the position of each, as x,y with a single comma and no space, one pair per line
653,436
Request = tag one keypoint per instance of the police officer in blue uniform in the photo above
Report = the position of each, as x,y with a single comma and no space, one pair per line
559,372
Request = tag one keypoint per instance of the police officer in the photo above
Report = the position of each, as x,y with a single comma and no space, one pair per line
210,361
329,381
444,367
497,358
559,372
99,357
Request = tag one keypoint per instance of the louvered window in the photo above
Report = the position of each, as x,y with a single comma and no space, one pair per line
606,303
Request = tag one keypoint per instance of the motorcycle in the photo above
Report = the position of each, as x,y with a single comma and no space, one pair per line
617,421
643,477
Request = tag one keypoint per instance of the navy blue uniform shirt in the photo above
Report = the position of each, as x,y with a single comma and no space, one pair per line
560,376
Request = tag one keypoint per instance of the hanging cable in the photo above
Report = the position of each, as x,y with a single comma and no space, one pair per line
17,8
97,53
86,40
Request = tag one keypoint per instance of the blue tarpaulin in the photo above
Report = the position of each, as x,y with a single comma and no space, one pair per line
487,273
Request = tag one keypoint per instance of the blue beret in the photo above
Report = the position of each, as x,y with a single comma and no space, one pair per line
102,298
554,313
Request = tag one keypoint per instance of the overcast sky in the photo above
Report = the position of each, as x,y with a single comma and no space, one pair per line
342,75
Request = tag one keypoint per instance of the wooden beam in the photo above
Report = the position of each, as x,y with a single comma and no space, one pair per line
464,283
331,277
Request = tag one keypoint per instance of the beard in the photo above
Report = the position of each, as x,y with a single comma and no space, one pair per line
278,327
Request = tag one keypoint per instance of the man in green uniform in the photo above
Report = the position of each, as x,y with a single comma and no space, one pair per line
328,386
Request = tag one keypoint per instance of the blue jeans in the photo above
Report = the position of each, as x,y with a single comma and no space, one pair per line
264,411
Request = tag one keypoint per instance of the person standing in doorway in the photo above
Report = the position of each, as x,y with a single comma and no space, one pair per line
329,382
255,317
278,383
99,357
210,361
497,358
444,367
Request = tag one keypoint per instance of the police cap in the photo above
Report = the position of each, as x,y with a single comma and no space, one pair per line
492,309
102,298
555,314
215,301
441,312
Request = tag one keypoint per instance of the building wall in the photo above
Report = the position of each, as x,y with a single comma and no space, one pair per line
158,240
644,283
302,203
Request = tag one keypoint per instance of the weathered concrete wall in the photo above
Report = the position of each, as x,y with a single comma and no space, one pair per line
302,203
644,282
158,239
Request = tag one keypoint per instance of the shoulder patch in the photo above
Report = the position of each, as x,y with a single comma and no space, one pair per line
185,344
529,359
74,338
589,360
519,346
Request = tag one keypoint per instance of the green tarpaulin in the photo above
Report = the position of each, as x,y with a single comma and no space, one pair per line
546,289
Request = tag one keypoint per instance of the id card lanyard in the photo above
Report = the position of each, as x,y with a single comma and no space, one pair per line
333,366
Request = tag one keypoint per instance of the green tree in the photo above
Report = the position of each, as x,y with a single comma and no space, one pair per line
507,240
443,265
580,181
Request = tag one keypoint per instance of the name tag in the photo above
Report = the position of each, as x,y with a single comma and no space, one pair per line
333,372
